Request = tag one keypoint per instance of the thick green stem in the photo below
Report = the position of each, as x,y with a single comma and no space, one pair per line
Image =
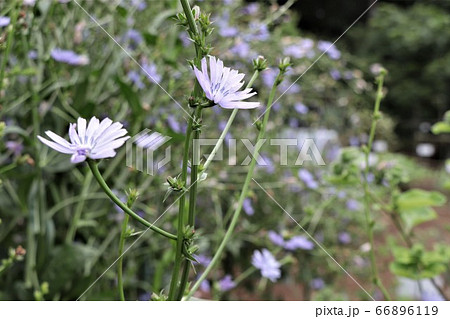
242,196
120,262
192,204
182,202
370,222
94,168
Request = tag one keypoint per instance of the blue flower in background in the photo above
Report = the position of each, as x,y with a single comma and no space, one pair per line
226,283
301,108
242,49
335,74
267,264
305,48
151,72
203,260
276,238
248,208
353,205
299,242
307,178
330,49
69,57
4,21
134,37
32,55
135,78
344,238
317,284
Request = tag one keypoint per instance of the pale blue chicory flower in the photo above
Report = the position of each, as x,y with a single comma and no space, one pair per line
96,140
221,85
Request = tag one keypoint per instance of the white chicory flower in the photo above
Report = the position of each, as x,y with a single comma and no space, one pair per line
222,85
96,140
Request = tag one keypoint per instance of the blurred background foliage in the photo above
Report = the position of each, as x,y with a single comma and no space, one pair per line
69,228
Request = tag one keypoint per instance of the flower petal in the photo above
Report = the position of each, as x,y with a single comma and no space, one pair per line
57,147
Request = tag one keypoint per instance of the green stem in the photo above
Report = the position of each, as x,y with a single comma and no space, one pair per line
369,221
94,168
192,203
12,27
182,201
120,262
227,127
242,196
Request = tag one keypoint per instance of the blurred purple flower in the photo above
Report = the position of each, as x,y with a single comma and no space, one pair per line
205,286
307,178
301,108
330,49
268,77
267,264
151,72
248,208
226,283
305,48
29,3
225,30
276,238
32,55
14,147
352,205
69,57
144,296
4,21
294,123
135,78
299,242
259,32
335,74
251,8
317,283
242,49
174,124
344,238
353,141
203,260
139,4
134,37
431,296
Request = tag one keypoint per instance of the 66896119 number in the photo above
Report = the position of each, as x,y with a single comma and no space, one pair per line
407,310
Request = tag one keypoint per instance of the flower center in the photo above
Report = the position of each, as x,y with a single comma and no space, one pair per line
83,151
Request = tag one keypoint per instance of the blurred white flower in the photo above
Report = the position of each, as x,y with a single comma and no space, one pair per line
425,149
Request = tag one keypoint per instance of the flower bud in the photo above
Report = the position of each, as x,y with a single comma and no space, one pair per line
260,63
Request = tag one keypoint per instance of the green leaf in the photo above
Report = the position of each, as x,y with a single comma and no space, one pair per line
416,216
440,128
416,198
